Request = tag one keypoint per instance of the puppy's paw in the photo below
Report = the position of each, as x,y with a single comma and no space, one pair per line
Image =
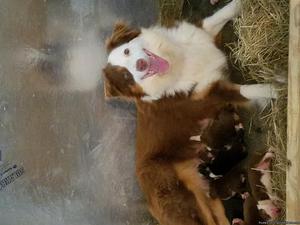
213,2
237,221
266,161
245,195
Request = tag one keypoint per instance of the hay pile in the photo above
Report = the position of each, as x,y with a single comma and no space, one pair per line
170,11
261,54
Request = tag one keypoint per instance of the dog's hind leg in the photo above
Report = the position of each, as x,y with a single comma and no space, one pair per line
187,172
218,210
213,24
239,94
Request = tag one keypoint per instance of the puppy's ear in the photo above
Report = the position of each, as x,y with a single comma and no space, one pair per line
205,123
122,33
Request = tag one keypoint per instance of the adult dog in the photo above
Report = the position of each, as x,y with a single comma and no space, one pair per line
177,76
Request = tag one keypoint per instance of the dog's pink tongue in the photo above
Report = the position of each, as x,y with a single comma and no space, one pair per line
158,64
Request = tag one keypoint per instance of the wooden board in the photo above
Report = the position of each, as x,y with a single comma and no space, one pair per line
293,145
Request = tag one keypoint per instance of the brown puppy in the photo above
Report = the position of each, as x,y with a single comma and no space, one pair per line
261,206
232,183
261,186
224,138
251,213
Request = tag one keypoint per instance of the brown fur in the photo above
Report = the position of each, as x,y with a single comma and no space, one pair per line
222,129
258,190
234,182
251,213
225,139
119,82
166,159
122,33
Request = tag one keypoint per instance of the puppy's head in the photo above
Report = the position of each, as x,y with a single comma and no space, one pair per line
268,209
130,63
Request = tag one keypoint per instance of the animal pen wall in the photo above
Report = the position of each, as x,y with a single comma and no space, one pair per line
68,142
293,128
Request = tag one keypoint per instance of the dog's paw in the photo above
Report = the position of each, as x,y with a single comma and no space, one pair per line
236,7
271,91
257,91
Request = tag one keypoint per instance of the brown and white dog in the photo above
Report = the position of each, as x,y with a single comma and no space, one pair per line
176,77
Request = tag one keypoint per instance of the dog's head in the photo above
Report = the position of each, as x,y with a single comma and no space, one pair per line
130,63
268,209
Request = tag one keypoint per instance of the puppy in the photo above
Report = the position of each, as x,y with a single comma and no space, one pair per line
261,186
176,77
261,205
224,137
231,184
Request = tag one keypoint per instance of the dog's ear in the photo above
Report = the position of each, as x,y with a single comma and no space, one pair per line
118,82
109,90
205,123
122,33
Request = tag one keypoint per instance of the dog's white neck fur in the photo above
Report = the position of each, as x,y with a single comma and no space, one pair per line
193,57
194,60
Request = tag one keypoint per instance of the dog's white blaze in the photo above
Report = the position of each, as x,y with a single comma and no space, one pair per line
194,59
135,47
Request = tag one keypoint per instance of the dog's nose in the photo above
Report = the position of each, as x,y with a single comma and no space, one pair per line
141,64
277,210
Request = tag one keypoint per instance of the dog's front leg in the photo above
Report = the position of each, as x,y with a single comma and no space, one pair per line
218,210
213,24
256,91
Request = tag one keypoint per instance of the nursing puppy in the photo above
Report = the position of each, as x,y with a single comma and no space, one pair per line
261,205
176,77
260,181
231,184
224,138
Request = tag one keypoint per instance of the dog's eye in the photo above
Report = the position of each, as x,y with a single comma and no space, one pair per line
126,51
126,76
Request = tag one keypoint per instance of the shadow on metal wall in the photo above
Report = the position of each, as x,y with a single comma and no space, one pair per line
66,155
